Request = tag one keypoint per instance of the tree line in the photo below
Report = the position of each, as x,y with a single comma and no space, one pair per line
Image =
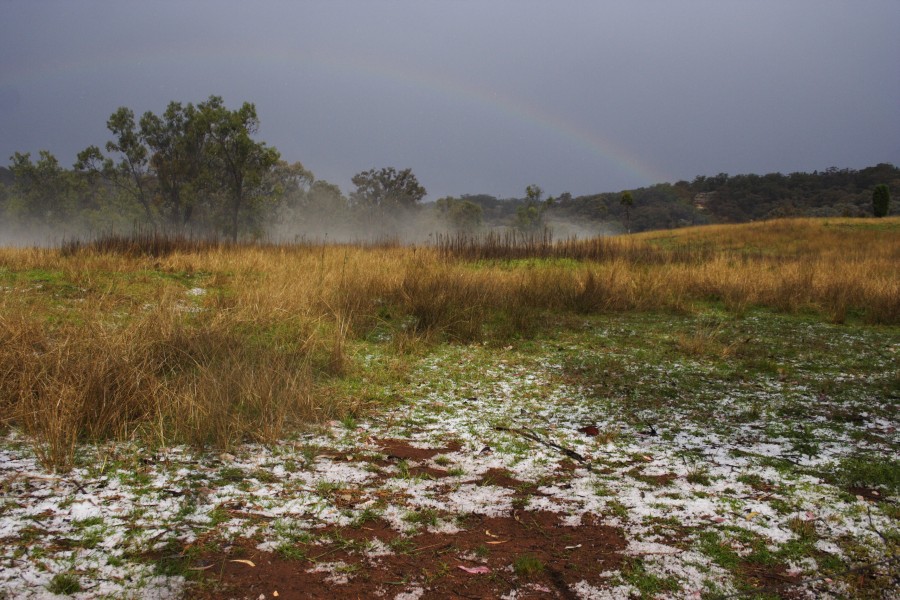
200,168
196,168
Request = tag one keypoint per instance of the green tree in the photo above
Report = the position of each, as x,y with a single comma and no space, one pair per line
881,200
627,200
460,215
177,141
131,174
530,214
386,190
241,161
325,199
43,192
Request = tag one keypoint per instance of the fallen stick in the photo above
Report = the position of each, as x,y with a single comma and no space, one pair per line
527,433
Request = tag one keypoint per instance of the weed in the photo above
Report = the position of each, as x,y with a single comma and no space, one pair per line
64,584
528,565
366,516
402,545
231,475
618,509
425,516
327,488
859,471
722,554
635,573
290,551
699,476
264,476
349,421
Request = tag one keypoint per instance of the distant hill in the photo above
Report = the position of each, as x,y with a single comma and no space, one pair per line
722,198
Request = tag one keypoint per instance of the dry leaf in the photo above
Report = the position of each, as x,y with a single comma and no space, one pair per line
243,561
474,570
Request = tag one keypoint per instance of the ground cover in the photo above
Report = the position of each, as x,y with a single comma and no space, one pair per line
702,413
655,454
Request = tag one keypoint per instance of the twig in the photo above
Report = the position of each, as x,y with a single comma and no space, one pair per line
527,433
872,525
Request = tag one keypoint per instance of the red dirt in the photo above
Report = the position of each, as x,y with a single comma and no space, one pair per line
427,560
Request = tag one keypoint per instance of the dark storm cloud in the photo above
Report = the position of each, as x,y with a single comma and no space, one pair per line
477,96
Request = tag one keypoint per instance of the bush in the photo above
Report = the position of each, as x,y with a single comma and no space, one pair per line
881,200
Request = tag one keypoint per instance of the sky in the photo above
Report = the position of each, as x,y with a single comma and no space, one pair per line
483,96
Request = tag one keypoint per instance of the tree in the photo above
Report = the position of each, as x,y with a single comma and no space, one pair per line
178,143
627,200
881,200
325,199
460,215
530,214
241,161
131,174
44,192
386,190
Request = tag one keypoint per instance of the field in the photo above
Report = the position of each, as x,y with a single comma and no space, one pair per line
707,413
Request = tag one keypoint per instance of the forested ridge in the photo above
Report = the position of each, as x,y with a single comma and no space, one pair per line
199,169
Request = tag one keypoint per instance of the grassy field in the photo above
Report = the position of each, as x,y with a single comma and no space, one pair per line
719,404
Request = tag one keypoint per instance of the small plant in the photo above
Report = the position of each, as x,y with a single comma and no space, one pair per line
859,471
64,584
425,516
264,476
403,469
721,553
520,502
366,516
231,475
699,476
528,565
290,551
618,509
326,488
403,545
635,573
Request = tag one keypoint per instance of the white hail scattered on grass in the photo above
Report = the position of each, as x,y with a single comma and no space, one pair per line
180,497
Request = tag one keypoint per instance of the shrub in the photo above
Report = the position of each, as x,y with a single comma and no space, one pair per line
881,200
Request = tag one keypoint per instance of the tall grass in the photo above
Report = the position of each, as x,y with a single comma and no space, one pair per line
107,342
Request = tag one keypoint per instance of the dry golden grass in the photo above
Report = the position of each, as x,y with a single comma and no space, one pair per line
99,345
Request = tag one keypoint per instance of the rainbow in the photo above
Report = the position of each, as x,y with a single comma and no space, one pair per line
606,150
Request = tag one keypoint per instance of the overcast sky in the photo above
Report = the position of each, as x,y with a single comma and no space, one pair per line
476,96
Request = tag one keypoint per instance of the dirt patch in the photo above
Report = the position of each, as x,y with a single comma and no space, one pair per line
501,478
401,450
772,578
352,562
867,493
